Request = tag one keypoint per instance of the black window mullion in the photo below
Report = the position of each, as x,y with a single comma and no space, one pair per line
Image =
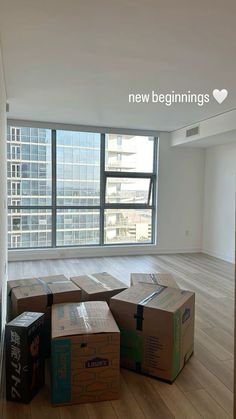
102,189
54,187
150,191
127,206
137,175
154,190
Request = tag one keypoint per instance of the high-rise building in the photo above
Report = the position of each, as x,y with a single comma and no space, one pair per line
62,205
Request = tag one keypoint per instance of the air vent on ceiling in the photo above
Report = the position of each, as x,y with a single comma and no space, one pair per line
192,131
7,107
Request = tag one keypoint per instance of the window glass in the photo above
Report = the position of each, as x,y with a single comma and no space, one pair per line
28,224
128,226
77,227
127,190
78,153
28,153
78,182
125,153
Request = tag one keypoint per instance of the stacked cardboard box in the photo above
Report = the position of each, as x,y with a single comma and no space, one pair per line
24,357
155,317
99,286
157,328
161,278
38,294
85,353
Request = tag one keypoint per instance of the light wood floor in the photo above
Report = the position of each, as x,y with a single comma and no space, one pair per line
204,387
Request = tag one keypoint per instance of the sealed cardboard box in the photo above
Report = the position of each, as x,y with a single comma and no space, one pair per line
157,329
38,294
160,278
99,286
24,357
85,353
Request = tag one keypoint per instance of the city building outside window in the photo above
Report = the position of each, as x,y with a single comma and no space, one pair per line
15,171
15,241
80,188
15,134
15,152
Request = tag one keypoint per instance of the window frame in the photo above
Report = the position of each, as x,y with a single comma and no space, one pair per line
15,238
104,175
15,133
15,171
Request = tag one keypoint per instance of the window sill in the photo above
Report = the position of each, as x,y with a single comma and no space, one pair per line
79,252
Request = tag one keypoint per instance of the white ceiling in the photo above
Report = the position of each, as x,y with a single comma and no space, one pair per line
75,61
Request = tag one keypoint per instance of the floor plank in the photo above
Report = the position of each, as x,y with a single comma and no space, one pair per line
176,400
126,407
206,405
147,396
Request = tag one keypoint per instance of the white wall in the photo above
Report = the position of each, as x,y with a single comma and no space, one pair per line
219,202
180,197
3,198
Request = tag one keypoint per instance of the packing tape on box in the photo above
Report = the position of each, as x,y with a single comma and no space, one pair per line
83,315
46,288
154,279
106,287
139,314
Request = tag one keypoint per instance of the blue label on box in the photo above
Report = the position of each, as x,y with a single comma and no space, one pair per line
61,371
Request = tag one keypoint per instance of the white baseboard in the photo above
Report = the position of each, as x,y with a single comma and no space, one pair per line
219,255
85,252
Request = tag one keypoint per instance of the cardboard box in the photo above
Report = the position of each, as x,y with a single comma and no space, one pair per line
85,353
99,286
24,357
38,294
157,329
165,279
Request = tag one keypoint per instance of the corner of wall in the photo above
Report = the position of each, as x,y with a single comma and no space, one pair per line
3,187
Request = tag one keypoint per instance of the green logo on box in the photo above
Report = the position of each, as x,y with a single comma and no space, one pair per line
61,371
132,345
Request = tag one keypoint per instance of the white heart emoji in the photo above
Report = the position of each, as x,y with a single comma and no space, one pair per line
220,95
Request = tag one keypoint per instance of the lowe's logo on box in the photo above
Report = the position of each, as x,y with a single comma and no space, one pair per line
96,362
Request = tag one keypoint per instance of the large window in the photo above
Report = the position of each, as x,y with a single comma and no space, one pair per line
69,188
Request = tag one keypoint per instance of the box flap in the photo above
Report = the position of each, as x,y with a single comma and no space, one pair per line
26,319
38,288
155,296
82,318
98,282
161,278
16,283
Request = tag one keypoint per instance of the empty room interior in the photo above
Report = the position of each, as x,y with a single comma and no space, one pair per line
117,209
